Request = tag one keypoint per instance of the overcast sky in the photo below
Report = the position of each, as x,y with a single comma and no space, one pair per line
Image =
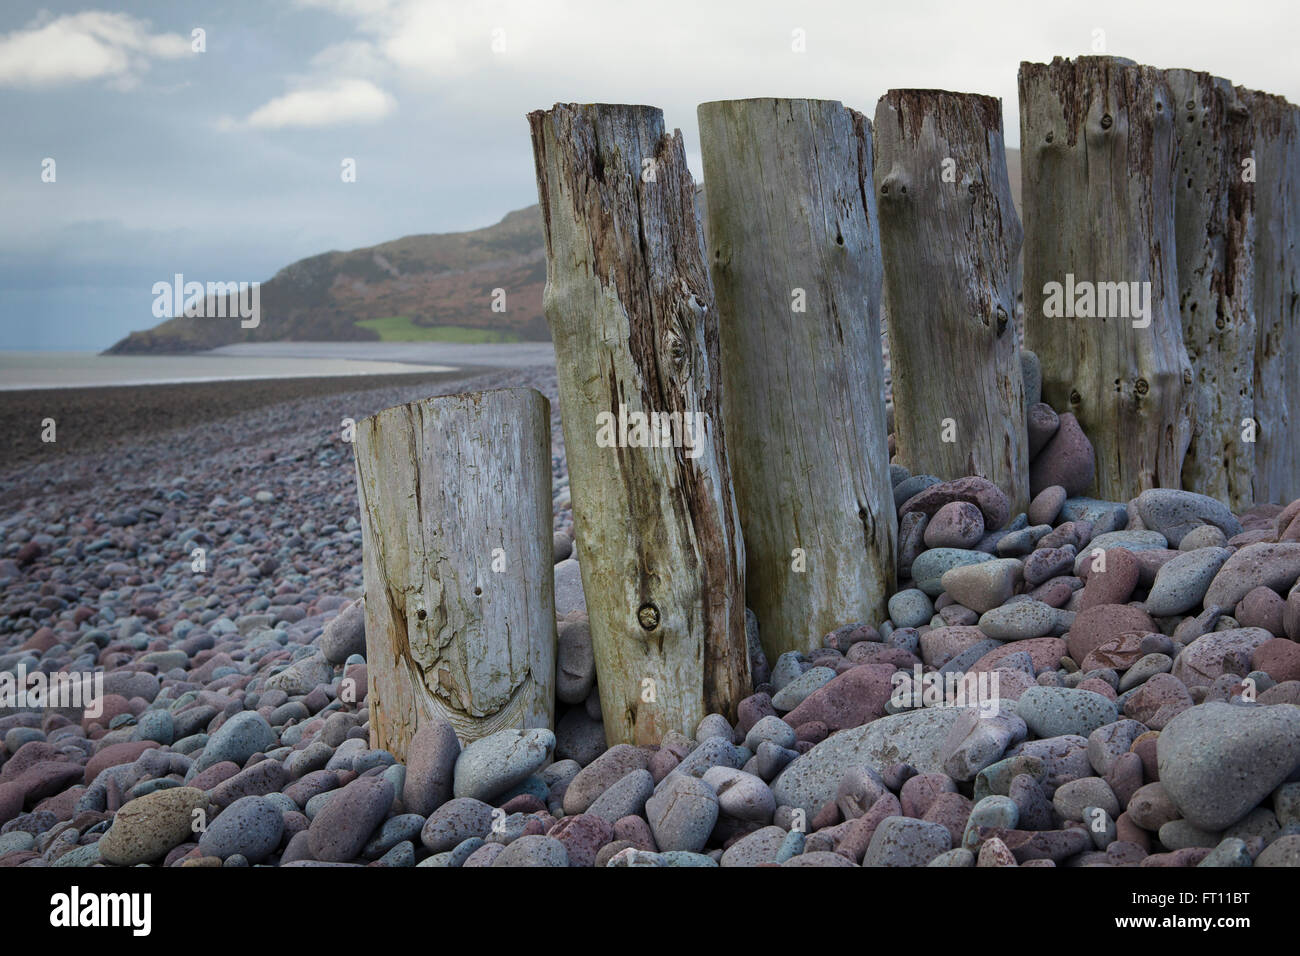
225,164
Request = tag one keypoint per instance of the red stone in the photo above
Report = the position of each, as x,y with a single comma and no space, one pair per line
1096,625
1279,658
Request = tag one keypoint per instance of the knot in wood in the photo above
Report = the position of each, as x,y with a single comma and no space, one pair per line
677,352
1141,386
1106,121
1075,397
648,616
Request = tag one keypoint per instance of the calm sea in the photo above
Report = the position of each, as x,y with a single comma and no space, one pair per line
20,370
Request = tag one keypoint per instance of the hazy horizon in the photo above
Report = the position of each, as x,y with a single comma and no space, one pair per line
225,164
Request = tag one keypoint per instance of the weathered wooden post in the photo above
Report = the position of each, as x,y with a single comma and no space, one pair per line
455,496
631,311
1101,278
1273,171
950,237
794,251
1214,227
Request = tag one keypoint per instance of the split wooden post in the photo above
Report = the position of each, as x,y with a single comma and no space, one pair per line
455,495
950,236
631,310
1097,155
794,251
1214,226
1274,168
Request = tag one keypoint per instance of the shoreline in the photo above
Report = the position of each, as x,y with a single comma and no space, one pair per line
217,379
47,370
94,418
494,354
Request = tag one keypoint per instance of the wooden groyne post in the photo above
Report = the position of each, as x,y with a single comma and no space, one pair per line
950,237
1101,273
1274,163
455,496
1214,229
631,310
794,251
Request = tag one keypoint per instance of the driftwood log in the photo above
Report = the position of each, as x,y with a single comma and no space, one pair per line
631,310
794,251
455,496
1276,154
1214,227
1101,277
950,237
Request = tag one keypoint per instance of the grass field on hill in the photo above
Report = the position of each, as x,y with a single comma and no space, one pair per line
400,328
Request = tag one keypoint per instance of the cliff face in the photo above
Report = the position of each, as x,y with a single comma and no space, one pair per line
415,284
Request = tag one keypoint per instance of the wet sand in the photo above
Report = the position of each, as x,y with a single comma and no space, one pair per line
96,418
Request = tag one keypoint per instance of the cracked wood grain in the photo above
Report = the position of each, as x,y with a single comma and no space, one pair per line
1275,125
456,535
1214,226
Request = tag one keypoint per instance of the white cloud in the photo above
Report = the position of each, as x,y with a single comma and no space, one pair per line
677,54
444,38
342,101
352,58
84,46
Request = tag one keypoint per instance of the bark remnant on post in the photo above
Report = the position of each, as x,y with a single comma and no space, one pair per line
631,310
794,251
950,237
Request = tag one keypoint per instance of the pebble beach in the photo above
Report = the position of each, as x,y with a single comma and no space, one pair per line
1145,653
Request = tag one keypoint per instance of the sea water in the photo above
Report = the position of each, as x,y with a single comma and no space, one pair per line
23,370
